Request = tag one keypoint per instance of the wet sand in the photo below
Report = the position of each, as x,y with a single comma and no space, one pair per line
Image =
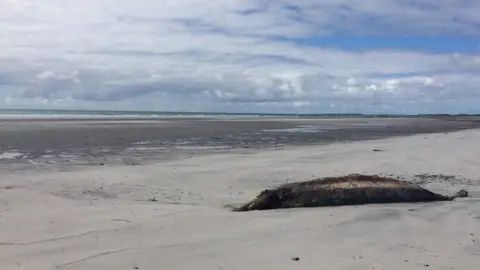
143,140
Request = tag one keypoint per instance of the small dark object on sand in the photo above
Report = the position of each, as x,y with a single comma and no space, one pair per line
377,150
296,259
353,189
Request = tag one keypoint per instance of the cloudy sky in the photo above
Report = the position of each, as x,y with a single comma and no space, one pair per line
304,56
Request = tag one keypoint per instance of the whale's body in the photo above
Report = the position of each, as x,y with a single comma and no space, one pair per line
347,190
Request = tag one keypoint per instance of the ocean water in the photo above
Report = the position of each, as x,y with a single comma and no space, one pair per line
40,113
43,113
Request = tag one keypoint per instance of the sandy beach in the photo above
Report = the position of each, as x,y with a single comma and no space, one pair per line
175,214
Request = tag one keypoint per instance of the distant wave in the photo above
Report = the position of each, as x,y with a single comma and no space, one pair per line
83,114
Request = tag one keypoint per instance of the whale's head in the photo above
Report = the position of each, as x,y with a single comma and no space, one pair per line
267,199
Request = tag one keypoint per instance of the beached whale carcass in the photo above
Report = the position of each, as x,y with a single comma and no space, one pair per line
346,190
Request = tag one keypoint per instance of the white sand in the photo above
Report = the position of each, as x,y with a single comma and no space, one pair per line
101,218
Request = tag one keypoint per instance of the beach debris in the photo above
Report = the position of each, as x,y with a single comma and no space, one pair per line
378,150
122,220
426,176
352,189
153,199
99,194
295,259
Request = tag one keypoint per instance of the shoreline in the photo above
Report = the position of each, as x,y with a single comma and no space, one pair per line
152,156
71,143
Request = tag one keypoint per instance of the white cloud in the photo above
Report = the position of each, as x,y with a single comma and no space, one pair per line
229,54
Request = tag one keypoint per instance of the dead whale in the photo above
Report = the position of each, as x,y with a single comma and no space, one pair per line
352,189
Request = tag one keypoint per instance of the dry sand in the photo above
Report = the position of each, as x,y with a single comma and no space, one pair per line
101,218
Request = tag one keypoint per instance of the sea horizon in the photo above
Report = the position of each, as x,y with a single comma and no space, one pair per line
61,113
